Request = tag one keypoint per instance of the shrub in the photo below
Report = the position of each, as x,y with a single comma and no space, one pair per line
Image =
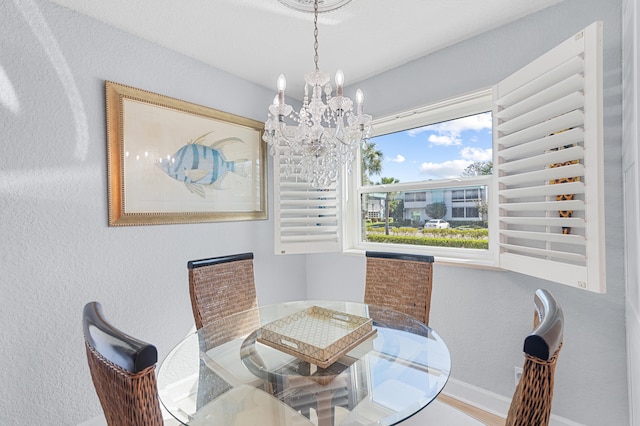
427,241
472,234
406,230
376,230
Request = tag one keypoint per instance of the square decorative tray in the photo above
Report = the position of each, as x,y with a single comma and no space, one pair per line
317,335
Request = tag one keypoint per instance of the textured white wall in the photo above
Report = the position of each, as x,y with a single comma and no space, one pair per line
57,252
484,315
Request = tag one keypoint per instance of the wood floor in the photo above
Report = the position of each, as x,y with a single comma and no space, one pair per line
487,418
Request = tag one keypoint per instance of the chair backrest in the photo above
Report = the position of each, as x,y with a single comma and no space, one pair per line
531,403
400,281
221,286
123,371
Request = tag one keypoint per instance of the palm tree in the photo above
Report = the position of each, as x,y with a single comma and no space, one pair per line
387,201
371,164
479,168
371,161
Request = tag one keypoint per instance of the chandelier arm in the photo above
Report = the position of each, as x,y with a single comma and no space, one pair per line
282,131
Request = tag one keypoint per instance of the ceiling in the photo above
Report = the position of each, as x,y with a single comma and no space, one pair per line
259,39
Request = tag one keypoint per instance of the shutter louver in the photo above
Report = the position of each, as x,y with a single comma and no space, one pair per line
306,218
548,163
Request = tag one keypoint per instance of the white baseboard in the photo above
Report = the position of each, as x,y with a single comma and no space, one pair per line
491,402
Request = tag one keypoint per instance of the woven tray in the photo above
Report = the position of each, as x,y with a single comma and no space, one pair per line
317,335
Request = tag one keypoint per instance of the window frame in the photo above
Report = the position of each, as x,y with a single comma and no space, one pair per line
547,129
476,102
551,104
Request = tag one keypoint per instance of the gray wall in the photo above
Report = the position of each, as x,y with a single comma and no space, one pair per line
484,315
57,252
630,167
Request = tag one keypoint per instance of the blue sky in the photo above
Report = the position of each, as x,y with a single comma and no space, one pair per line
438,151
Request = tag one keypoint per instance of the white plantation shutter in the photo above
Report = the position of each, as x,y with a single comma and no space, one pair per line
306,218
548,158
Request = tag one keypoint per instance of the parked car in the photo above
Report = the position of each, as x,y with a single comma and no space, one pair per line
436,223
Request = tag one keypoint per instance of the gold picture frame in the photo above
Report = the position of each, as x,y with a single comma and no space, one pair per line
171,161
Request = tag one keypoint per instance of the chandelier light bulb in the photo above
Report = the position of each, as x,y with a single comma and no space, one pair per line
359,100
339,82
281,83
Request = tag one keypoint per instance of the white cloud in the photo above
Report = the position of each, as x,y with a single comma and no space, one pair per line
447,140
453,168
448,132
476,154
399,159
446,170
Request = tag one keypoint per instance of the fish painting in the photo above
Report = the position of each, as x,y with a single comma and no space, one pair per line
202,166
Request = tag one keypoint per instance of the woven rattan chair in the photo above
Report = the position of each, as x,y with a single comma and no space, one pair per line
123,372
221,286
531,402
400,281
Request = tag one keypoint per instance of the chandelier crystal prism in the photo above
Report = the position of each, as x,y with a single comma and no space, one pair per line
320,141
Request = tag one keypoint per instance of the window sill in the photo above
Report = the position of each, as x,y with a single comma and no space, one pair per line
439,259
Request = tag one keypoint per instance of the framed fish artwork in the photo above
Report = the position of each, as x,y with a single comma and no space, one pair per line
171,161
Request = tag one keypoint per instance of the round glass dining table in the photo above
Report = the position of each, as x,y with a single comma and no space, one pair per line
383,375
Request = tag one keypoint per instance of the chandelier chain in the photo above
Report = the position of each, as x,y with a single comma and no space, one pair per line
315,33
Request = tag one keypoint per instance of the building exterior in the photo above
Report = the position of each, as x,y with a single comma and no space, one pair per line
462,204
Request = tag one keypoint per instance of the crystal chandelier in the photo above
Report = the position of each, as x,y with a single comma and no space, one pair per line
321,139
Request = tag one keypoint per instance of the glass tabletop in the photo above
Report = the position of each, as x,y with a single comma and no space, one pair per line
382,378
